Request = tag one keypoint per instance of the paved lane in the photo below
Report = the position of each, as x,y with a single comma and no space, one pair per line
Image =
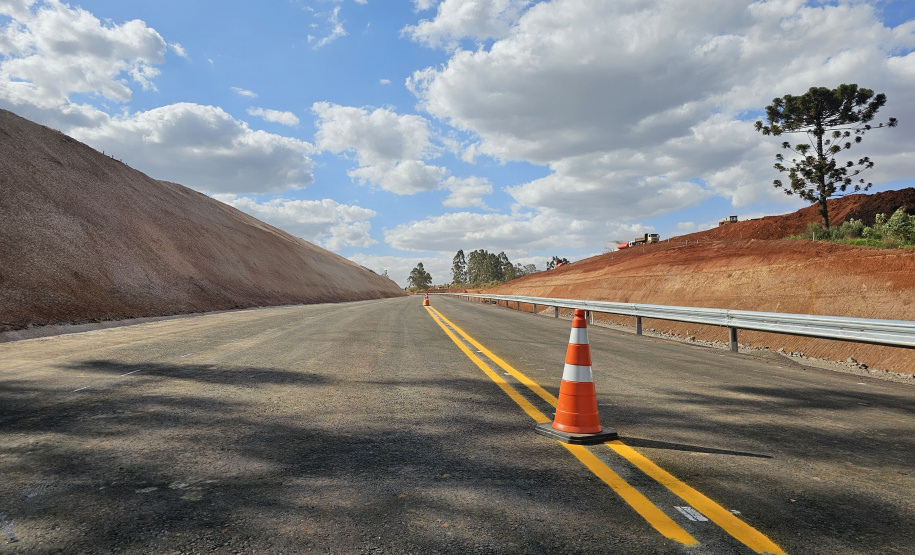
363,428
820,461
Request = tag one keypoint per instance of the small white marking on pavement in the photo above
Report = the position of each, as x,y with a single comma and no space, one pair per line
129,373
8,528
80,389
692,514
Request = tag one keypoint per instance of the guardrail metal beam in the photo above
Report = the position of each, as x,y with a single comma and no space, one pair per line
897,333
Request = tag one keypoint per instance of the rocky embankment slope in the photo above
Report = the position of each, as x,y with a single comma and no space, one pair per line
86,238
743,266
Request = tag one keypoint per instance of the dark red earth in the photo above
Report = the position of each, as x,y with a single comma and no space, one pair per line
748,266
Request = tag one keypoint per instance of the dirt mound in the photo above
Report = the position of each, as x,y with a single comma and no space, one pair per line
87,238
859,207
720,271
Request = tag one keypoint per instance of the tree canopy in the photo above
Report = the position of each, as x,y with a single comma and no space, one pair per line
833,120
419,277
485,267
459,268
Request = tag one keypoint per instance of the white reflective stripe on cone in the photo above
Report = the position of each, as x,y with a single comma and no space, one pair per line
579,336
573,373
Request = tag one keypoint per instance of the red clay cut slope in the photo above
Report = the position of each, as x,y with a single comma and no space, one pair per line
86,238
859,207
761,274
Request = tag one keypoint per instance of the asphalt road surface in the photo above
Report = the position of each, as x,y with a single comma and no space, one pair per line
387,427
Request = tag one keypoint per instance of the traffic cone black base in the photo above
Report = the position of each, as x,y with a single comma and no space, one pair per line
577,421
547,429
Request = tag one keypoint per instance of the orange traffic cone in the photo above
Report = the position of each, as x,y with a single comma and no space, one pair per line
426,300
576,419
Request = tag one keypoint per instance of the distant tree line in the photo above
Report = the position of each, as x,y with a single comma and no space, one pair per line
481,267
556,261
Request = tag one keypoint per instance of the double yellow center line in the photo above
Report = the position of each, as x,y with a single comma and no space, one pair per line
740,530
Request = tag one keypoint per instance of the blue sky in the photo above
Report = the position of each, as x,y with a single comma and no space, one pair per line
401,131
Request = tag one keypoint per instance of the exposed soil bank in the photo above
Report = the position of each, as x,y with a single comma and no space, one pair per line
85,238
717,269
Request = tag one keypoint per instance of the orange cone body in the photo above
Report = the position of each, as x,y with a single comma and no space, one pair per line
426,300
576,411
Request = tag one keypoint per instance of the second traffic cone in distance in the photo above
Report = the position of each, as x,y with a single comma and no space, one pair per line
577,419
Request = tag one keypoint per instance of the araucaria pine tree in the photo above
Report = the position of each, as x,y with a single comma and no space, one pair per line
833,120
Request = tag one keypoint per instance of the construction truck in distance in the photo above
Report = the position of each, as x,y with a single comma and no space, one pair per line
645,239
728,220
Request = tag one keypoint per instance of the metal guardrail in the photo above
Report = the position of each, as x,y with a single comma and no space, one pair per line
897,333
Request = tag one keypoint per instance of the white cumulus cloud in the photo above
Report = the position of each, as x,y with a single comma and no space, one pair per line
467,192
275,116
336,29
390,148
49,50
244,92
517,234
205,148
179,50
323,222
474,19
640,108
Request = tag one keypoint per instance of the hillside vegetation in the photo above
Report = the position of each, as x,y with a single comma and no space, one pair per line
893,232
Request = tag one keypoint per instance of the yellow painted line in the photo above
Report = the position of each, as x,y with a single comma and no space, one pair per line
738,529
653,515
649,511
531,384
530,409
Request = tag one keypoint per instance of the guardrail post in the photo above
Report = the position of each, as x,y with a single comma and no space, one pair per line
897,333
518,306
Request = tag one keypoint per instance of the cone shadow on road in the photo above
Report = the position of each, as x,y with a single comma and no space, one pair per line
651,444
808,398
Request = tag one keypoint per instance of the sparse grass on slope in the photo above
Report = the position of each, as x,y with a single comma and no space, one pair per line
895,232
